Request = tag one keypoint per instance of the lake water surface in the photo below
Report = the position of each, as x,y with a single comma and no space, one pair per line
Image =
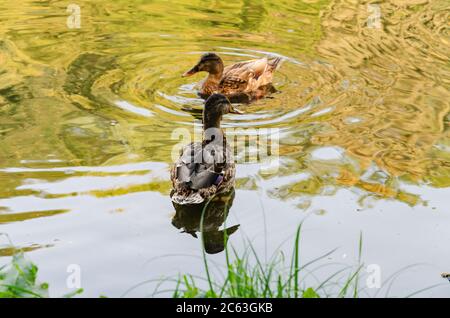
88,111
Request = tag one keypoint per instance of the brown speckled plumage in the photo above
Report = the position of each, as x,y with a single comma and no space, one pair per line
183,194
200,173
243,78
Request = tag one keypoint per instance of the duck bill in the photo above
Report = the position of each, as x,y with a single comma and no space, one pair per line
234,110
191,72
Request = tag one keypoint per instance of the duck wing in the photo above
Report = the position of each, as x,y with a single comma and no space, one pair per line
196,167
256,67
249,75
198,174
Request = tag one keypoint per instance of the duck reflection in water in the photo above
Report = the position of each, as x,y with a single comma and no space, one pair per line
188,218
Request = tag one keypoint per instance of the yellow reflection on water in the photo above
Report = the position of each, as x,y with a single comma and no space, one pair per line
110,93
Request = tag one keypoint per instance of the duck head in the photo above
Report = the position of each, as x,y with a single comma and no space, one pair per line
216,106
209,62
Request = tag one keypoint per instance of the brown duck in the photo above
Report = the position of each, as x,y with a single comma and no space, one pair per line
205,168
250,79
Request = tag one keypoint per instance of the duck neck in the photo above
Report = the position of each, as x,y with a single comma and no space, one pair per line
215,77
212,132
215,74
212,124
218,138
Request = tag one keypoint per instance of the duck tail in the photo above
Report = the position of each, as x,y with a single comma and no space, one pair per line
275,63
191,198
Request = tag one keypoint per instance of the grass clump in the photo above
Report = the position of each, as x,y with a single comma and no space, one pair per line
246,276
18,279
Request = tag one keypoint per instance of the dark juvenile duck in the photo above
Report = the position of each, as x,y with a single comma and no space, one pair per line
205,168
250,78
